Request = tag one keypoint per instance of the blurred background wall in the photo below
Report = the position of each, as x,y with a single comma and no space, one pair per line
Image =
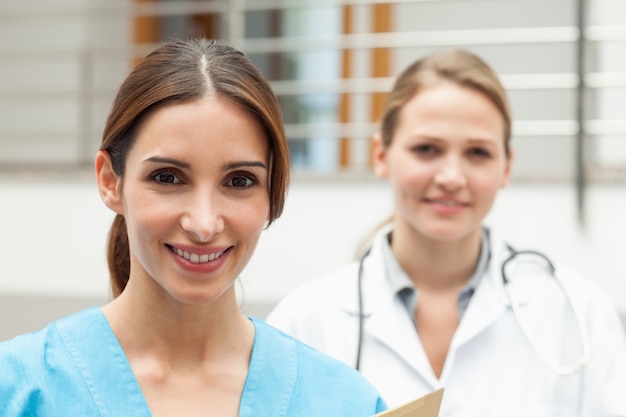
330,62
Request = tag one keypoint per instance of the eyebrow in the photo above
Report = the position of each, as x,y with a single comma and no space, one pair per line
161,160
473,140
244,164
225,167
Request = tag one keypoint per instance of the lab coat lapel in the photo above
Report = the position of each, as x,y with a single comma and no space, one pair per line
392,326
387,320
488,303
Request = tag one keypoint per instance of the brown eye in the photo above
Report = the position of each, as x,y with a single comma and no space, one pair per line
241,181
480,153
165,177
426,150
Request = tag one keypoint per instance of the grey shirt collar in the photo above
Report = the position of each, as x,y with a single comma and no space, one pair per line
403,287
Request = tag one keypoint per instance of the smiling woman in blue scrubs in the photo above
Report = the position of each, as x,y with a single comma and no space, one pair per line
195,164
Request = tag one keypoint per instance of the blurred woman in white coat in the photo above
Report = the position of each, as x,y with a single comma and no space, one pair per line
438,300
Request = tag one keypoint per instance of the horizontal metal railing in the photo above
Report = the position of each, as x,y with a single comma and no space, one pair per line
86,93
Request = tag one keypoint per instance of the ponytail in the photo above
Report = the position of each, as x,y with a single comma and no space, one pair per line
118,256
367,241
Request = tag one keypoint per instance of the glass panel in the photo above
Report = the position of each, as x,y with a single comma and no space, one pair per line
310,109
317,149
188,26
312,150
311,21
301,66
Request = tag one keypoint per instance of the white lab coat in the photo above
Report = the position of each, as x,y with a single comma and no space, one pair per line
490,369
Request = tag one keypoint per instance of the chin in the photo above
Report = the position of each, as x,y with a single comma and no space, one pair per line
202,296
451,234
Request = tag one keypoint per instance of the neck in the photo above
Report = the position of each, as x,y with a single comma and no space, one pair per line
436,264
177,333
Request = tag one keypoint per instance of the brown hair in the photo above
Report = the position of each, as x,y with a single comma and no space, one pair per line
181,71
457,66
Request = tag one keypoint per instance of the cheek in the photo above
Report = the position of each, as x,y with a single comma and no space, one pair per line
411,176
487,186
250,215
148,217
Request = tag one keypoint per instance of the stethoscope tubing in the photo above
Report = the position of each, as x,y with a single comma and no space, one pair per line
585,356
357,365
580,363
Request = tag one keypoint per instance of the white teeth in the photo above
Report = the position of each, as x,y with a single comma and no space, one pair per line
198,259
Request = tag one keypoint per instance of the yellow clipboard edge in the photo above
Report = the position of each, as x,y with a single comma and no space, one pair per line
426,406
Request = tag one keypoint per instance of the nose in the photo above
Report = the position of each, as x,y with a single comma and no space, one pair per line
202,217
451,174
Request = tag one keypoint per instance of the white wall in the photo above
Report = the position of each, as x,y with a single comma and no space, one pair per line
53,234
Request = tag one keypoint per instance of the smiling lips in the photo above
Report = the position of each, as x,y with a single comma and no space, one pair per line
445,202
196,258
445,205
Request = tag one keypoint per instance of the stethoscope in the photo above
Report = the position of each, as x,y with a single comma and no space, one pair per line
564,370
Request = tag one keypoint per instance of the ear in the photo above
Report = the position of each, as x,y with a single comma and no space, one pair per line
379,156
508,168
109,184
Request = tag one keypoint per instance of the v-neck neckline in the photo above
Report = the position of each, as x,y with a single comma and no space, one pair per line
103,364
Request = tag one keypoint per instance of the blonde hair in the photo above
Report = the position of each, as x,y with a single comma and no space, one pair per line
457,66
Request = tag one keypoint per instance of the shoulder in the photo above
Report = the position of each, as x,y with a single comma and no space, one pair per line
24,372
332,288
336,383
34,349
311,363
28,363
321,379
338,288
316,301
502,251
338,282
596,306
26,350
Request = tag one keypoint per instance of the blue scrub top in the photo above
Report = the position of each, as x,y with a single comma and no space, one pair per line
76,367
